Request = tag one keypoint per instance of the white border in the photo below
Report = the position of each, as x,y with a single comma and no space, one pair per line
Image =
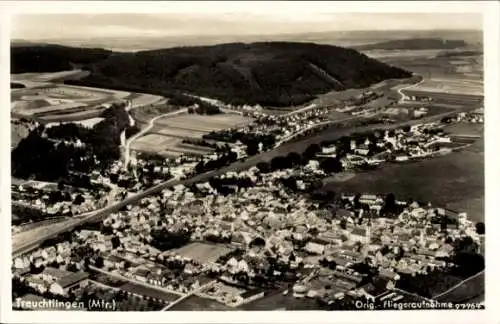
491,25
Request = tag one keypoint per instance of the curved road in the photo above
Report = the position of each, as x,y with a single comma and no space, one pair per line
403,96
145,130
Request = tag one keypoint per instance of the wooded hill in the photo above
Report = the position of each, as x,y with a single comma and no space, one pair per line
267,73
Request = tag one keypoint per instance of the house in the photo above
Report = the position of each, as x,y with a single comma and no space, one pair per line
21,263
251,295
359,234
362,151
37,283
401,158
314,248
329,150
114,261
299,291
388,274
70,283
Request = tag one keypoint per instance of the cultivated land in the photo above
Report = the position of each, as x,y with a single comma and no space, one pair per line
53,102
457,72
450,181
203,252
165,138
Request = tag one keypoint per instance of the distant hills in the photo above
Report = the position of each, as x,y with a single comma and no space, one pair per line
267,73
337,38
414,44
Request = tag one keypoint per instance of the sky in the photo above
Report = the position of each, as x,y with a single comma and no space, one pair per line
227,22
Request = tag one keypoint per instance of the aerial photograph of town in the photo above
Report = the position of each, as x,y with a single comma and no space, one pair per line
229,162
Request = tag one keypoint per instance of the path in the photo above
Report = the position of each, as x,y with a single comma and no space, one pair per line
403,96
195,291
140,283
459,284
126,153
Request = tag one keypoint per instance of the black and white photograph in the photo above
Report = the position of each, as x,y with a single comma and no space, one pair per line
231,158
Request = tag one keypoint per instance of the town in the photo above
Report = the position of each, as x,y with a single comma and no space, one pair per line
237,237
322,171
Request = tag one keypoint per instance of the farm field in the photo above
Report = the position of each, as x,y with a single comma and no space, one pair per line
454,181
91,122
196,303
470,291
465,129
17,133
165,138
454,98
70,117
424,53
154,142
203,252
50,77
179,132
277,301
204,123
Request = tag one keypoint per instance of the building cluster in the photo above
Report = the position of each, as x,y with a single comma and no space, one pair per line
279,233
419,141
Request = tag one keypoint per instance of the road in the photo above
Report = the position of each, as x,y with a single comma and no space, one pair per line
478,276
151,123
30,242
137,282
186,296
400,90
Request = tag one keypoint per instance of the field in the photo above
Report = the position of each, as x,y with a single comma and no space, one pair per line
465,130
154,142
52,77
455,181
470,291
165,138
51,102
91,122
277,301
204,123
203,252
17,133
195,303
460,73
179,132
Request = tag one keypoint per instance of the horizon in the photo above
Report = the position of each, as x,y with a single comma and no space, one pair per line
32,27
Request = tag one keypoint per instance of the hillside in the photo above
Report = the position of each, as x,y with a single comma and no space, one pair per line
269,73
27,57
413,44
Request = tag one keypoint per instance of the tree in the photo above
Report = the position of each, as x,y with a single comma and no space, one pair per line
60,185
311,151
331,165
258,241
294,158
99,262
278,163
480,229
79,199
115,241
252,148
264,167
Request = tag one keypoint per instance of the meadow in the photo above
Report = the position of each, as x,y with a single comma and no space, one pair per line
454,181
